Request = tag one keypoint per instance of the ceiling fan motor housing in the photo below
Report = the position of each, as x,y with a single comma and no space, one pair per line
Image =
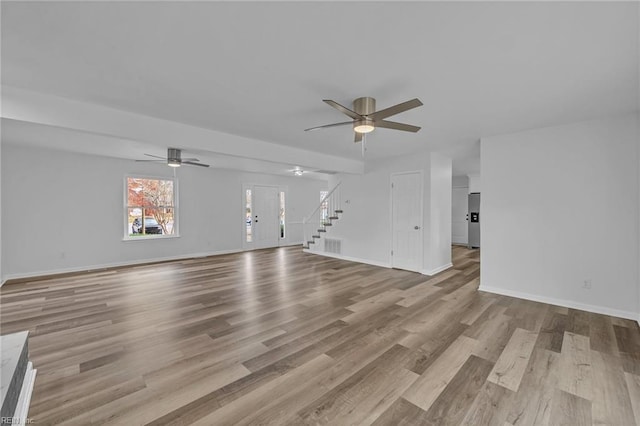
364,106
173,154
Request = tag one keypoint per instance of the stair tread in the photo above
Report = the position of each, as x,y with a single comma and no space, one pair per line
15,358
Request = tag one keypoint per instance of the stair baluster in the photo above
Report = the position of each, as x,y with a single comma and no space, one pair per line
315,225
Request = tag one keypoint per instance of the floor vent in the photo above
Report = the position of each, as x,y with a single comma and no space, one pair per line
332,245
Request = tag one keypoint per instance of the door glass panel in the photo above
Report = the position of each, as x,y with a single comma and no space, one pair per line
247,216
282,215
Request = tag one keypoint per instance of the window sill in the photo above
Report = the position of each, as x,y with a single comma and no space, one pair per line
148,238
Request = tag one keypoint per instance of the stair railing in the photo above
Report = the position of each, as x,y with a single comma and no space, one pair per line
315,224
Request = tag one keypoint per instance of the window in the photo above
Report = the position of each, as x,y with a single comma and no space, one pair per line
324,209
151,208
282,215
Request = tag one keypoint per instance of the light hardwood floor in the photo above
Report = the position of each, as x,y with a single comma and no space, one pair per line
284,337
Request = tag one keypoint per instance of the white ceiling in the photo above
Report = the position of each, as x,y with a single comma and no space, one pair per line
261,70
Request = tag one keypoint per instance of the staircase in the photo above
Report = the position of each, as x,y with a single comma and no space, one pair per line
328,211
17,377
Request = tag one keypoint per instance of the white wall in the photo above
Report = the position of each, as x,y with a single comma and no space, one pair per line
460,181
365,225
1,270
474,183
64,211
560,206
459,210
439,236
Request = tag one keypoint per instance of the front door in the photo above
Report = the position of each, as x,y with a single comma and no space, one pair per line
265,225
406,221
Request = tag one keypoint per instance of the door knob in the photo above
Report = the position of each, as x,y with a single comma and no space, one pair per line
416,227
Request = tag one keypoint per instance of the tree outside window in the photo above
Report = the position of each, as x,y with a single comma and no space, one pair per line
150,207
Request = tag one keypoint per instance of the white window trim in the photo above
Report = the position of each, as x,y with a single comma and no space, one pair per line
125,203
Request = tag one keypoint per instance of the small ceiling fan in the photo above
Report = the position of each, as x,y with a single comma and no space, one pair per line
366,119
174,159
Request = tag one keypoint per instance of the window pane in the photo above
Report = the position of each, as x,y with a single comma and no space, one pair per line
247,218
149,192
134,222
161,220
282,221
324,210
134,192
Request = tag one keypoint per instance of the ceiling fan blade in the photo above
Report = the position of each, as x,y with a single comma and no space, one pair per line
358,137
396,109
151,161
189,159
155,156
329,125
396,126
343,110
194,164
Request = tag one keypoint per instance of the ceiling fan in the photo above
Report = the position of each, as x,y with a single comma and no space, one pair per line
174,159
366,119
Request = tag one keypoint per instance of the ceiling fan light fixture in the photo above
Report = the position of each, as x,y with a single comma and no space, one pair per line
365,117
364,126
173,162
298,171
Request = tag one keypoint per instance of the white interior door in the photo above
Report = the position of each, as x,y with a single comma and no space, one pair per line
406,221
266,229
459,210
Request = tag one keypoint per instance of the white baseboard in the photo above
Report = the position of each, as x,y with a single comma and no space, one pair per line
22,407
297,243
437,270
349,258
561,302
94,268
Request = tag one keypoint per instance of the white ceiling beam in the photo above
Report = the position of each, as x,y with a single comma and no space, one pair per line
28,106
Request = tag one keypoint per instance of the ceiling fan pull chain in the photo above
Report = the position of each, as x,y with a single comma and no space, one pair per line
364,142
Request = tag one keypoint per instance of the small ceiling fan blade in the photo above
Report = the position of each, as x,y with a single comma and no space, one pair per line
195,164
358,137
396,109
189,159
343,109
329,125
155,156
396,126
151,161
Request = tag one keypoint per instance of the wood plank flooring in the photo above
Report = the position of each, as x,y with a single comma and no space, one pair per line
284,337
